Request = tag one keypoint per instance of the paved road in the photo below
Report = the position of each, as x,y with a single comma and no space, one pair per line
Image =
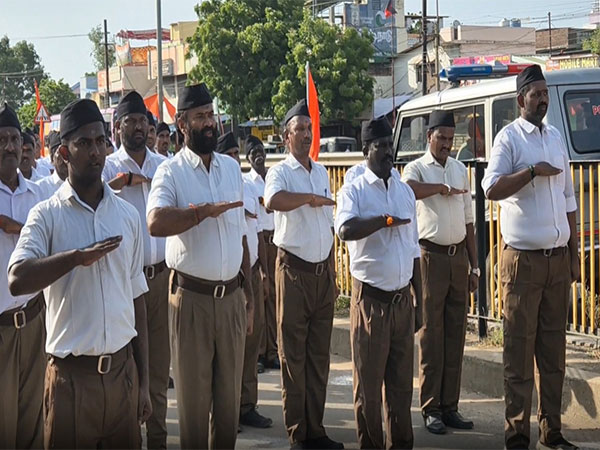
487,413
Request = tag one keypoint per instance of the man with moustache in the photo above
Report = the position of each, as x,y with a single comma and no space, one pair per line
50,184
22,331
297,189
449,268
255,154
151,139
84,247
227,145
135,162
528,173
163,139
196,202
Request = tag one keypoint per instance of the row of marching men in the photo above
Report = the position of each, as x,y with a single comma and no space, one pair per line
100,252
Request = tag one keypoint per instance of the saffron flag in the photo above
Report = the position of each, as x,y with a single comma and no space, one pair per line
389,9
313,108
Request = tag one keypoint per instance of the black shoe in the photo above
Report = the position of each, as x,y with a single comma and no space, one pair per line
297,446
260,367
273,364
253,419
434,424
561,444
171,383
322,443
453,419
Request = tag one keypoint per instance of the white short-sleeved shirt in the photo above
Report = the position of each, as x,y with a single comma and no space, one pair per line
211,250
49,185
266,220
15,205
385,258
305,231
89,311
36,175
355,171
442,219
253,227
535,217
44,166
120,161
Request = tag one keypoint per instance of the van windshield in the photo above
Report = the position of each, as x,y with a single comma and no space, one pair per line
583,117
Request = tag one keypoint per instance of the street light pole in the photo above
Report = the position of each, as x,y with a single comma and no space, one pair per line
424,55
106,73
159,60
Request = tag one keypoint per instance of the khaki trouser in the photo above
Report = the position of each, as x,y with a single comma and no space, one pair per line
250,376
304,321
207,353
159,357
84,409
268,345
445,281
382,339
22,364
536,304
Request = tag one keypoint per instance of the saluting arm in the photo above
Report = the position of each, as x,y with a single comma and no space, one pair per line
359,228
425,190
285,201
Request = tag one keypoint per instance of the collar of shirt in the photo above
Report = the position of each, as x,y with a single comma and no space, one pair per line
195,161
530,128
122,156
66,192
24,185
429,159
254,175
372,178
55,178
293,163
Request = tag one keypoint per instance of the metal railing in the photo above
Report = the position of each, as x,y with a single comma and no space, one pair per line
486,304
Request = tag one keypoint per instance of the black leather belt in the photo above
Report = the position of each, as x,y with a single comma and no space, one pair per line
100,363
153,270
546,252
269,234
449,250
294,262
392,297
18,317
215,289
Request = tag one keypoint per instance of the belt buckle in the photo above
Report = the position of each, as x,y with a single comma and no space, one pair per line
451,250
320,269
104,368
150,272
548,252
219,291
397,298
19,323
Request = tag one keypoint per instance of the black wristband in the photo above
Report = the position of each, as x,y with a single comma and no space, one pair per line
532,171
130,178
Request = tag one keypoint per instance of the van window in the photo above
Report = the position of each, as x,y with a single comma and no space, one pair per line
469,135
583,114
504,111
413,134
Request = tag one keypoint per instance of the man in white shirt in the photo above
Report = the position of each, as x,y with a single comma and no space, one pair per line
447,240
163,140
151,138
227,145
196,202
528,173
21,325
255,154
376,216
354,172
297,189
50,184
26,166
84,247
136,159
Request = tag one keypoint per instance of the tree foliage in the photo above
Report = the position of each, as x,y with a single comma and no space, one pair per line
240,47
54,94
339,61
19,66
96,36
593,43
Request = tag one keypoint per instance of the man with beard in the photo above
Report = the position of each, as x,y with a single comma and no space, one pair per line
21,325
196,202
84,247
151,139
255,154
376,215
297,189
449,268
50,184
129,172
163,139
528,173
27,159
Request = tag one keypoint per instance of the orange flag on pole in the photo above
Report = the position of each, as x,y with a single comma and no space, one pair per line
313,108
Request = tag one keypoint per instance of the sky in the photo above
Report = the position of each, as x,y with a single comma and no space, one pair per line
58,28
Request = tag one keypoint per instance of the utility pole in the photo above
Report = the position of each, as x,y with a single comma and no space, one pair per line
393,51
437,45
159,60
550,32
106,64
424,56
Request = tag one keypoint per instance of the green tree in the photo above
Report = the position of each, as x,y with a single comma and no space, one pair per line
339,61
54,94
240,47
19,66
96,36
593,43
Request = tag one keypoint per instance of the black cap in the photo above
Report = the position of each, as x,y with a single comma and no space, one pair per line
375,129
251,142
8,117
151,120
441,118
162,127
53,140
194,96
529,75
77,114
299,109
226,142
130,104
28,139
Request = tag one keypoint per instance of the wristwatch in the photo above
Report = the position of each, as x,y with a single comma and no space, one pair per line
476,271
